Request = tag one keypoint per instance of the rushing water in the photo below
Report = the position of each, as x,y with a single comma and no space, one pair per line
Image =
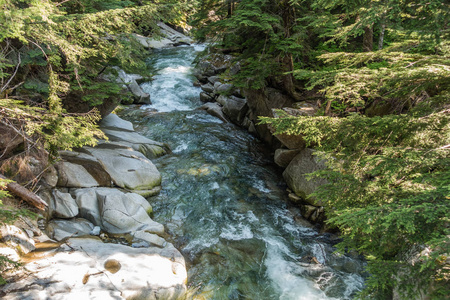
224,202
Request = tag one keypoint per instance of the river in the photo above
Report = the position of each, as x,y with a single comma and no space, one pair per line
224,202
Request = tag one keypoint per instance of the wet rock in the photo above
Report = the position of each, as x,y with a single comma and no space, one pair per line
235,108
17,239
295,175
61,229
139,96
63,205
87,268
209,88
205,97
283,157
215,110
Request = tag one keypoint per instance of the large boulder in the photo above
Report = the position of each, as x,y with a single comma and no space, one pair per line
81,170
87,268
215,110
114,122
146,146
295,175
62,205
124,213
235,108
115,211
169,37
128,169
260,103
283,157
74,175
139,96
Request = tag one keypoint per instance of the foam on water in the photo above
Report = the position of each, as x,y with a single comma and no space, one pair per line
237,232
284,276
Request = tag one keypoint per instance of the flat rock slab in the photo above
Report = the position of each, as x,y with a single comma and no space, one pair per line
112,121
87,268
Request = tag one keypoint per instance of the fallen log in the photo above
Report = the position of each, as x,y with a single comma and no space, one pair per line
25,194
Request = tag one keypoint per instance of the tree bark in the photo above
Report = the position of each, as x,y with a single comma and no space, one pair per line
381,39
368,39
25,194
287,13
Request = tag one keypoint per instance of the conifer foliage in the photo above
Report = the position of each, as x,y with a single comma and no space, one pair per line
380,70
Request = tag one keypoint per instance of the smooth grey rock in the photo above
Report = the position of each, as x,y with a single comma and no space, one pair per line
16,239
235,108
63,205
87,202
95,231
50,176
213,79
128,169
113,121
125,139
283,157
131,137
61,229
124,213
150,238
205,97
141,39
78,270
214,110
148,193
139,96
293,142
74,175
209,88
90,164
295,175
225,88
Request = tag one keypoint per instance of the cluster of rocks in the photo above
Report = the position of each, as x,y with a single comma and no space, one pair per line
169,38
243,107
131,82
96,195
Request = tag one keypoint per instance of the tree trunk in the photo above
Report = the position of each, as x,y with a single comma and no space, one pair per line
287,60
25,194
368,39
381,38
230,4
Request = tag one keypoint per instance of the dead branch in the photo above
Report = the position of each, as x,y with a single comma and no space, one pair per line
25,194
13,75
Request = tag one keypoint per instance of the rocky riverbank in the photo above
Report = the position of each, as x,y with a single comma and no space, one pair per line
97,239
243,107
99,226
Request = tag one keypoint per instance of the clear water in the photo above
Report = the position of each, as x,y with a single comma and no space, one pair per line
224,203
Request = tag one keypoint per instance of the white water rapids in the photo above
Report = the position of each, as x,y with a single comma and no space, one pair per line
224,202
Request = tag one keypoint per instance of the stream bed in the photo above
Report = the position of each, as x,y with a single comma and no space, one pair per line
224,202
